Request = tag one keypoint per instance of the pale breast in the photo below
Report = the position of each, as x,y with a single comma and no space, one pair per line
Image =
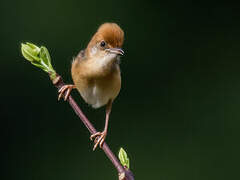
97,91
96,85
102,90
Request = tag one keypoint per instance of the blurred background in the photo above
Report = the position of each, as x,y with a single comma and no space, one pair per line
177,114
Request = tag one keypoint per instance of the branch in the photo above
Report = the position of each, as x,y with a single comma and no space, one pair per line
123,172
40,57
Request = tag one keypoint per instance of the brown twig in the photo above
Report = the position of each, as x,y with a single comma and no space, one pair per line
123,173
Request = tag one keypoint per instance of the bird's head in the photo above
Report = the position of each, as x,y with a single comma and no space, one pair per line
105,45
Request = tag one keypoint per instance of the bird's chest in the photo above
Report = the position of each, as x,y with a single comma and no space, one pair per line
99,91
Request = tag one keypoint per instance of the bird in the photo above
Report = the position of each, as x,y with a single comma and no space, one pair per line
96,73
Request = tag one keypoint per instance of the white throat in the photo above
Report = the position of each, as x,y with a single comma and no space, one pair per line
101,59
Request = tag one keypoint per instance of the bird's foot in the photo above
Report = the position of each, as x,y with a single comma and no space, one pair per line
99,139
64,88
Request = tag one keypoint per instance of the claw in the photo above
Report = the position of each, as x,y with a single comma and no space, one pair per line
101,142
95,135
62,90
99,139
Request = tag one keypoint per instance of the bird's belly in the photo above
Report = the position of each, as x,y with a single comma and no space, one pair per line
98,96
98,90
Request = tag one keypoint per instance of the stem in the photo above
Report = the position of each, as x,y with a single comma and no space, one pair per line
124,174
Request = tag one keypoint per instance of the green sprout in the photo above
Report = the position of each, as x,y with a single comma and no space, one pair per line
122,155
38,56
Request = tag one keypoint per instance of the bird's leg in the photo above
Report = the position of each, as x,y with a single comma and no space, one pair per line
64,88
100,136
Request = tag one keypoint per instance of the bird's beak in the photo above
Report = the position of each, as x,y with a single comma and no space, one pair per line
117,51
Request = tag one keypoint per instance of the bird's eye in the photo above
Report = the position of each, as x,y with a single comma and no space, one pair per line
102,44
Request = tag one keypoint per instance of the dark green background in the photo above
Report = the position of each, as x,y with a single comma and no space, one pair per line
177,114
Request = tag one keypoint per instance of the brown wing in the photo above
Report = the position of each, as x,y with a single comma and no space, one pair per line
80,56
76,66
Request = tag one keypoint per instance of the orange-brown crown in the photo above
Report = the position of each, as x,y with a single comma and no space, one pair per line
111,33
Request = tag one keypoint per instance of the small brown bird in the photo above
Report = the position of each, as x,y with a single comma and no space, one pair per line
96,72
